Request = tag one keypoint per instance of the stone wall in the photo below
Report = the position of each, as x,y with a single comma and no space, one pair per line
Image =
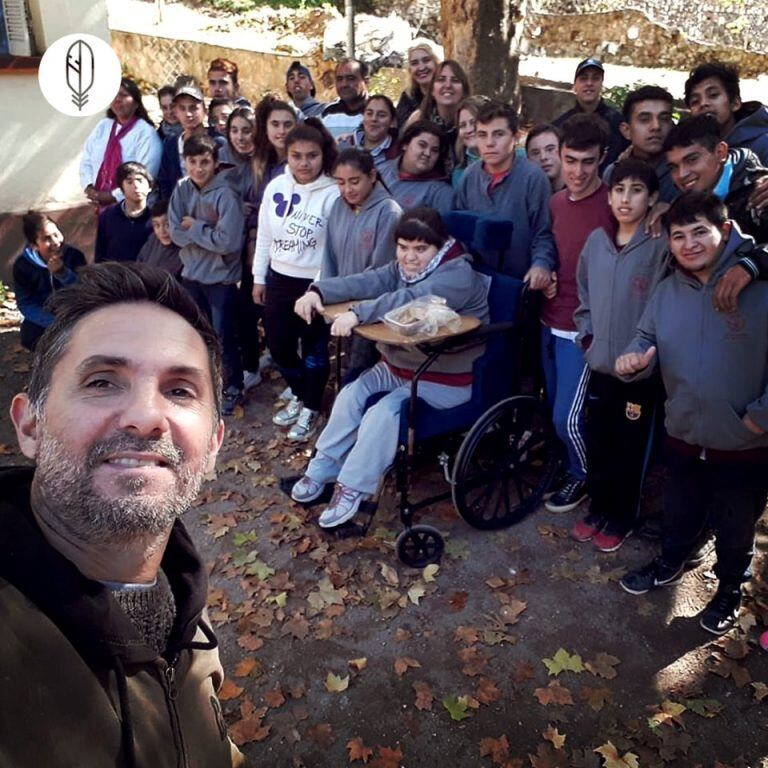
628,37
156,61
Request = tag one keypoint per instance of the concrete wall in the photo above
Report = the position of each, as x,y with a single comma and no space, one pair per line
39,147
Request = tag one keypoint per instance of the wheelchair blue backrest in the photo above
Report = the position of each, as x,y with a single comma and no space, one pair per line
494,371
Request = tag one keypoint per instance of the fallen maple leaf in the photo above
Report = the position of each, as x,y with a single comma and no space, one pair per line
457,707
390,575
415,593
321,734
554,693
247,730
402,635
761,690
523,671
336,683
562,661
670,711
496,749
603,665
705,707
229,691
430,572
510,612
457,601
474,661
467,635
612,759
250,642
387,758
245,667
275,697
554,736
595,697
548,757
424,695
495,582
358,751
358,664
403,664
486,691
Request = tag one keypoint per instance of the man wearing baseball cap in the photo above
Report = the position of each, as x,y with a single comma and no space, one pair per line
189,105
301,90
588,87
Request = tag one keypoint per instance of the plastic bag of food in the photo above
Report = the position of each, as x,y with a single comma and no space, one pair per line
423,316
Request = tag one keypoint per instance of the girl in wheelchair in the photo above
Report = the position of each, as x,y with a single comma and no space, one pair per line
358,444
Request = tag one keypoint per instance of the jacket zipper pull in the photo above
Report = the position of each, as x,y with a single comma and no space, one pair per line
170,677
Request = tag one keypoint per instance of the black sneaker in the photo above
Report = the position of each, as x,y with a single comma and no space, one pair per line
230,398
722,610
656,574
569,496
558,480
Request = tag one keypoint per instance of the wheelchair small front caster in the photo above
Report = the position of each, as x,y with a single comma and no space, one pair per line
420,546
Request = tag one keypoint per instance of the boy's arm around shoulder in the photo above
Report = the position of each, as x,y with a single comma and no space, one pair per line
226,235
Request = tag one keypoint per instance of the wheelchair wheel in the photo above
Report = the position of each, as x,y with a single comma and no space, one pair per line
505,464
420,546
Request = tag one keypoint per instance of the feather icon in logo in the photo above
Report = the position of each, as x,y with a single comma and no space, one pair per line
80,71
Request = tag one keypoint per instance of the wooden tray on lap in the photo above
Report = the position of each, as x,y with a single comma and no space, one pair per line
383,333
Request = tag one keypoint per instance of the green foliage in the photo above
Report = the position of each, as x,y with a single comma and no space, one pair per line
618,93
3,291
244,6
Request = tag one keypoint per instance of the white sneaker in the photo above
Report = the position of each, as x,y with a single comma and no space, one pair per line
286,395
343,507
251,379
306,489
305,426
265,361
288,415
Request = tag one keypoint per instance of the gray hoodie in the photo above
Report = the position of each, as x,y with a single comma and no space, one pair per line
210,249
614,287
382,289
360,238
713,364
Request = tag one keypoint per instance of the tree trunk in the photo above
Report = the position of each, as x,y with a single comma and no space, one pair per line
484,37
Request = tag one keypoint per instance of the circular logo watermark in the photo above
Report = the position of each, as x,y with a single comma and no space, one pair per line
79,75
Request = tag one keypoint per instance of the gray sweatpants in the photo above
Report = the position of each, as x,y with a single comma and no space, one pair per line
355,448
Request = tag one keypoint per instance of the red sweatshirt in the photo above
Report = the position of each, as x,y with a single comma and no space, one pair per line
572,223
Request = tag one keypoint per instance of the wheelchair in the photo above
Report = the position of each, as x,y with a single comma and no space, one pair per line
497,451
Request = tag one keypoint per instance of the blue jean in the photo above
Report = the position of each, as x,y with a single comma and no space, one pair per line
219,303
357,446
566,376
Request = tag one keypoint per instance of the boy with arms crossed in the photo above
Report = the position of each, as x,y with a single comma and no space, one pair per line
207,222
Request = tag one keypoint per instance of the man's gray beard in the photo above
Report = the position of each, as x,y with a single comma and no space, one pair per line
67,489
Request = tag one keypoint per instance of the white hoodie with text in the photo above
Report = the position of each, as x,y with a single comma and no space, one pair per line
293,226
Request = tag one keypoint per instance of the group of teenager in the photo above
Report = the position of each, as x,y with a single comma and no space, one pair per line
640,237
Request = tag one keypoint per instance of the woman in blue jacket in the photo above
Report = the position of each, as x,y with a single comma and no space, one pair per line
45,265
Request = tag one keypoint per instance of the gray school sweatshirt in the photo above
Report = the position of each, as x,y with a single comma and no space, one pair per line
411,192
614,286
714,364
210,249
360,238
522,196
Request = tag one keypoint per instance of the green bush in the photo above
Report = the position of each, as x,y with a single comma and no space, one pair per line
244,6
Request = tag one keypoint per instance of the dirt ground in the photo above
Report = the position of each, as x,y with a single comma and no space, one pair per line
337,654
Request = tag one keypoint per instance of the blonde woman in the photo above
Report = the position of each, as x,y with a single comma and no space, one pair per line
422,64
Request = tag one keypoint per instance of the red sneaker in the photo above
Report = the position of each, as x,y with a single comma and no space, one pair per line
588,527
610,540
